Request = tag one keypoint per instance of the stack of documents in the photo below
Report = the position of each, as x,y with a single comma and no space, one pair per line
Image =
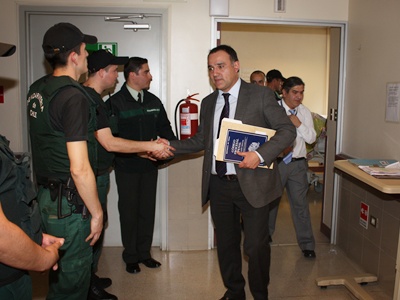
379,168
235,136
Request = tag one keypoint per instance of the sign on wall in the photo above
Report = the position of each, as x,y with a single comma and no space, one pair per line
1,94
364,215
110,46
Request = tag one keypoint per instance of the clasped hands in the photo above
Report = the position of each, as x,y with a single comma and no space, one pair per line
160,150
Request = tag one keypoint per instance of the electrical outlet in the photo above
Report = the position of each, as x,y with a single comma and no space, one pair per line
373,221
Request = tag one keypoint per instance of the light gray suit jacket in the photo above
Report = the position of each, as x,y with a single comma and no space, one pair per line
256,106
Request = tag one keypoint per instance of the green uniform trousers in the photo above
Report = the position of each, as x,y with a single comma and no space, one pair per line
103,186
20,289
72,278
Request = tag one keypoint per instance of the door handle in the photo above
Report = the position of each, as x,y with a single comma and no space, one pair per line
333,114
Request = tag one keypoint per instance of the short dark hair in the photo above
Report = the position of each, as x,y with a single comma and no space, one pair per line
60,59
134,64
228,49
291,82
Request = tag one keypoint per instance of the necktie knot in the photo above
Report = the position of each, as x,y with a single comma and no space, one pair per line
293,111
139,98
225,110
226,97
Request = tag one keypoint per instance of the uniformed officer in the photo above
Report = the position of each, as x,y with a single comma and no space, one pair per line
18,219
62,122
103,74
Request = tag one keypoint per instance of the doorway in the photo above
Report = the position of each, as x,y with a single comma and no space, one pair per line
35,20
323,71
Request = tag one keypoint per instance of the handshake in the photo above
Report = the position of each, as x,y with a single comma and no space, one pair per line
158,150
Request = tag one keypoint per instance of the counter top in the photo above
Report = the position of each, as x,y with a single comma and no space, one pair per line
387,186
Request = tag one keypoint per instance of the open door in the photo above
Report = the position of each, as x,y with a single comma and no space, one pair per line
331,129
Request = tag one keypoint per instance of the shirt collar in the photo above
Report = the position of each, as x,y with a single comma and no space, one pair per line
234,91
134,93
287,107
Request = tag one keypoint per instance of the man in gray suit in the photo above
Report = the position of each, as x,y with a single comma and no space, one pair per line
241,189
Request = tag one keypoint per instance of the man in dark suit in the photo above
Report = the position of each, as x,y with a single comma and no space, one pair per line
242,189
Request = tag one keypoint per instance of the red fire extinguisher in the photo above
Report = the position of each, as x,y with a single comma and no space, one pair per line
188,117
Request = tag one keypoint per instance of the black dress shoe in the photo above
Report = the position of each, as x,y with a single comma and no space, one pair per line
151,263
100,294
133,268
101,283
309,253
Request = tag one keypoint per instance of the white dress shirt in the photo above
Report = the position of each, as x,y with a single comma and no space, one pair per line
305,132
233,98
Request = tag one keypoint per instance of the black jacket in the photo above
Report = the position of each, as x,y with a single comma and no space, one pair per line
140,122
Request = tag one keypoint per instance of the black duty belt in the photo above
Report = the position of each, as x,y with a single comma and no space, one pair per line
58,190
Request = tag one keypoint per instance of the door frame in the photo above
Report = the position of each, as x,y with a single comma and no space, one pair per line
25,11
332,198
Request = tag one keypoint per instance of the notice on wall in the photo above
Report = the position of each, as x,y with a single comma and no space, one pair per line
392,102
364,215
1,94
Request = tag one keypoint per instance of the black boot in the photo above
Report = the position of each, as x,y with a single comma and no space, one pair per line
101,283
96,293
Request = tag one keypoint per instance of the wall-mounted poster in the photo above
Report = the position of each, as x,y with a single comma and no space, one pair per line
392,102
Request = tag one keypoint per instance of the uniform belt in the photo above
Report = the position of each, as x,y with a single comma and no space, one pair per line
279,159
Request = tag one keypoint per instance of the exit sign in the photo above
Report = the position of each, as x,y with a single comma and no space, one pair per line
110,46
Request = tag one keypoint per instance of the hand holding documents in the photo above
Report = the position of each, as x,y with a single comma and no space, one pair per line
236,137
379,168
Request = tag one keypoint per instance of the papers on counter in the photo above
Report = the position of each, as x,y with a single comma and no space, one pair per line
379,168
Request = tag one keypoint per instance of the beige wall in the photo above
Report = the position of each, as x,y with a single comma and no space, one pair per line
373,60
188,42
287,49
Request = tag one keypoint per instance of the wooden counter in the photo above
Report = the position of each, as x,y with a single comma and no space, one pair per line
387,186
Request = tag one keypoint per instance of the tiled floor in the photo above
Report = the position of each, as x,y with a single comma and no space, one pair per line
195,274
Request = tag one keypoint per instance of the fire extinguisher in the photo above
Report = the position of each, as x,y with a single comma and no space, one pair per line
188,117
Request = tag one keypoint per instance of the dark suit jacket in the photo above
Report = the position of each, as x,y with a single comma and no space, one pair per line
256,106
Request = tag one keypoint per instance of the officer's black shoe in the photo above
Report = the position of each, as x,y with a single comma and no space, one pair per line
309,253
101,283
99,294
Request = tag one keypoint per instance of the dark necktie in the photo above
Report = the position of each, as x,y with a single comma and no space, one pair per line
220,166
139,98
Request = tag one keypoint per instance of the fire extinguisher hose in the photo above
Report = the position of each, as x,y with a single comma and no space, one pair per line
188,98
178,134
